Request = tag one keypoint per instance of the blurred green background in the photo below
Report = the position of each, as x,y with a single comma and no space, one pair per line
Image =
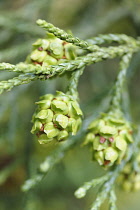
20,153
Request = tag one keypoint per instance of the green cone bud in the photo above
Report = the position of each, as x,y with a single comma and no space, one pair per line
59,106
61,120
53,120
77,126
121,144
96,144
99,156
69,52
62,135
38,56
108,137
45,44
43,139
51,51
57,49
45,114
71,124
50,130
111,154
37,43
44,104
37,126
74,109
108,130
46,97
49,60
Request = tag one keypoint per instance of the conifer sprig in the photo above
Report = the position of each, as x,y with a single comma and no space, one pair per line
73,83
104,53
121,78
16,81
48,72
65,36
112,38
106,131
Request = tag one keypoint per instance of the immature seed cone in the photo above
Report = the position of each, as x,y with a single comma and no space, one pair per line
129,179
108,137
56,117
51,51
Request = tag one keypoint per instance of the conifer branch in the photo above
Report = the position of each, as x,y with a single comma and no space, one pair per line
119,85
65,36
20,80
110,38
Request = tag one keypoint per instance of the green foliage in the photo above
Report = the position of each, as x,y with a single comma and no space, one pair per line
113,139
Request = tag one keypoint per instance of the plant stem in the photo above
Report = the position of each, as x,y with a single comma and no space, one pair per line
118,88
73,83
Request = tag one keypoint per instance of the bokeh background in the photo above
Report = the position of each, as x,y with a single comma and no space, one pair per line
20,153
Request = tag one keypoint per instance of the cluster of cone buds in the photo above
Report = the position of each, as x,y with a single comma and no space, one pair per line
108,137
56,117
51,51
129,179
